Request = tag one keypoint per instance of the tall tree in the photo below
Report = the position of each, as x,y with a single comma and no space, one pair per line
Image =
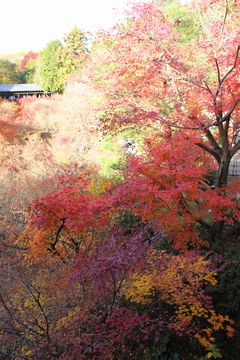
58,60
49,67
183,86
73,52
193,89
75,48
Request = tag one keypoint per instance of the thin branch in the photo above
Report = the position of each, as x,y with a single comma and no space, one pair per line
229,113
117,288
13,246
233,67
169,123
14,318
218,72
235,148
206,87
200,127
58,233
76,244
225,18
38,302
221,81
209,90
5,306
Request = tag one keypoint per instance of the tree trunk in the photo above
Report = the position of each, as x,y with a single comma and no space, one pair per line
222,178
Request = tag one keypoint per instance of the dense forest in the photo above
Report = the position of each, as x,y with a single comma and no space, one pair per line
120,217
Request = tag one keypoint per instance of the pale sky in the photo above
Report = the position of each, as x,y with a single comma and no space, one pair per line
30,24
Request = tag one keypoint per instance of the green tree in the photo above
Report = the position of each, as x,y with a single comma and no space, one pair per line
74,51
8,72
58,60
50,68
27,75
29,71
187,21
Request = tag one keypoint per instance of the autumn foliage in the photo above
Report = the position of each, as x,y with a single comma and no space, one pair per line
142,264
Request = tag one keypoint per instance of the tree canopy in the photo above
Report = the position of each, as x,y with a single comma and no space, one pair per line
8,72
60,59
50,66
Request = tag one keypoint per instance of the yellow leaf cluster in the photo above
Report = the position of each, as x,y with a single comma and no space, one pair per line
211,278
99,186
203,340
217,322
177,280
141,289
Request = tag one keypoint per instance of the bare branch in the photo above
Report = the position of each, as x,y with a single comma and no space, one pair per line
218,71
221,81
38,302
171,124
206,87
235,148
229,113
210,91
233,67
225,17
58,233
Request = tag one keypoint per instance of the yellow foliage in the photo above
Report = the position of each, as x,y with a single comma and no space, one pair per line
99,186
217,322
178,280
141,289
203,340
26,352
210,278
68,317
